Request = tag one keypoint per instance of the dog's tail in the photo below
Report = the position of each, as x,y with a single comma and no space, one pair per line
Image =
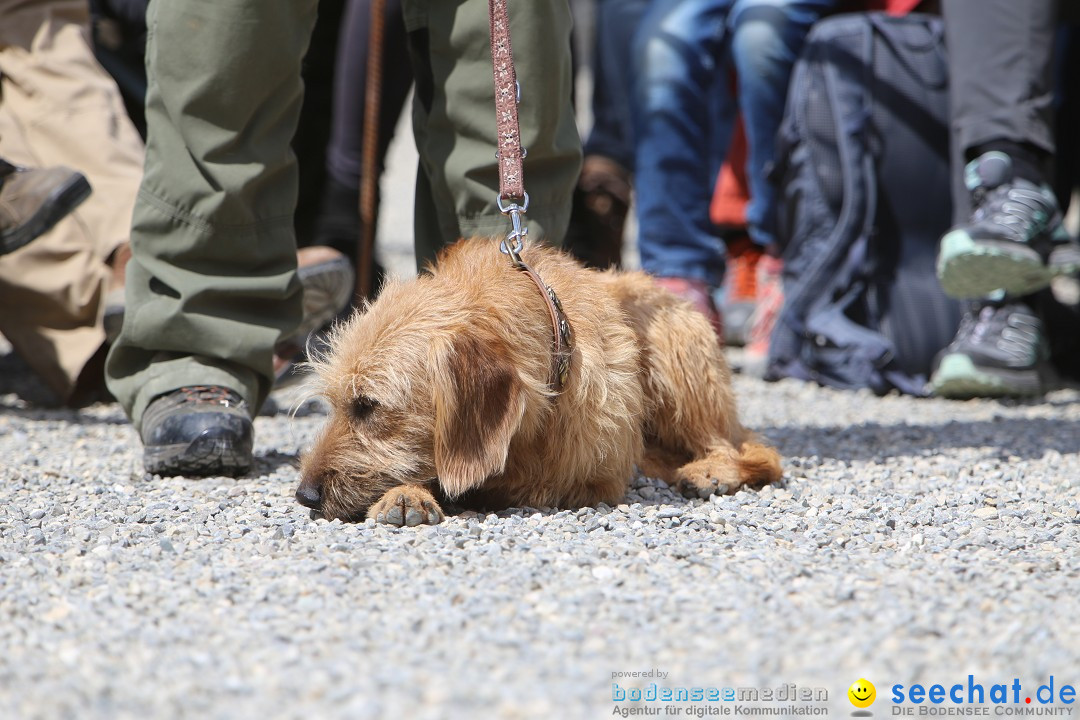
758,464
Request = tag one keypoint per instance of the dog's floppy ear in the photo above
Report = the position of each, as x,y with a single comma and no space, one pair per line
479,405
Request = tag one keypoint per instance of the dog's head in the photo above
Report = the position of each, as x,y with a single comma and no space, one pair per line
420,390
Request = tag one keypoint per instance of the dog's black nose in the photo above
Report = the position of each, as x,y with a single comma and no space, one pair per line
308,495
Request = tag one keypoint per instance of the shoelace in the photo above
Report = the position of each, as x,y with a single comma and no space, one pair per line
1017,335
1022,211
209,394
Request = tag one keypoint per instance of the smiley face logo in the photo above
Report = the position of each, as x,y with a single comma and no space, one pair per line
862,693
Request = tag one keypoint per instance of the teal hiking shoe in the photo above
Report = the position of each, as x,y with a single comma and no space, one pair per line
999,351
1014,242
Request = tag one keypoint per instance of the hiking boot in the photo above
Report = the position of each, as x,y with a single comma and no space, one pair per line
699,295
32,200
999,351
1014,241
197,431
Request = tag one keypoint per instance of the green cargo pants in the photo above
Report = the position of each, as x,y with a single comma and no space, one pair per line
454,119
212,286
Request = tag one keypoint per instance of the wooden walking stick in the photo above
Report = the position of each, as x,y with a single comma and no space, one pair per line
369,180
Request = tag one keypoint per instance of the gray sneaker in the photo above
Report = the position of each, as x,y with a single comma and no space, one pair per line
1014,241
999,351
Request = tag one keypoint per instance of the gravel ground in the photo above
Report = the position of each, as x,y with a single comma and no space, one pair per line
911,541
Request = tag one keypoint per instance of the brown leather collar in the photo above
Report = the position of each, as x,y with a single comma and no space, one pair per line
562,347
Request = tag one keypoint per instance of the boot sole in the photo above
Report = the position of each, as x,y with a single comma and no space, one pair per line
957,377
210,454
60,202
968,268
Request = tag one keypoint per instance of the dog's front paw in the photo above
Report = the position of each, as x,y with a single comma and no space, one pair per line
704,478
406,506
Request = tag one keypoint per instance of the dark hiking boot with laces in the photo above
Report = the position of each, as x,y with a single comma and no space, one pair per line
999,351
197,432
1014,241
32,200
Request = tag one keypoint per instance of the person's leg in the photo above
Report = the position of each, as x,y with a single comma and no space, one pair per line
1067,112
766,39
1000,59
350,87
212,282
60,108
311,140
1007,241
1000,56
118,33
339,221
454,120
602,197
679,85
611,135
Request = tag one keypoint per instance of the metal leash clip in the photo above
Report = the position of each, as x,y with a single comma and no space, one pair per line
515,239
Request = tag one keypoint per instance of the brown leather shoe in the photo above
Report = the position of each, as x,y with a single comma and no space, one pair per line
598,216
32,200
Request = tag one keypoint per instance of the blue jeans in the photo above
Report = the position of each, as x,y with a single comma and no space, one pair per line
612,134
683,112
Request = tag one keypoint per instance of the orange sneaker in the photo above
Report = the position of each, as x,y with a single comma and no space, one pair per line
770,300
740,289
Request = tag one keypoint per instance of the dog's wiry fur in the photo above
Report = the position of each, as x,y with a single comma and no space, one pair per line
442,386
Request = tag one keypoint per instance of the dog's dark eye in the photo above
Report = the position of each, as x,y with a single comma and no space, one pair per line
363,407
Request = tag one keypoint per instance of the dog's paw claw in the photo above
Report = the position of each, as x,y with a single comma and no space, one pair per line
697,488
407,506
703,482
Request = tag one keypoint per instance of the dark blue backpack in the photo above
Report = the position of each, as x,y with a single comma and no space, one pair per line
863,168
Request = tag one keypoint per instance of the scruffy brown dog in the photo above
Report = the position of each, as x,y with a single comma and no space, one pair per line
442,389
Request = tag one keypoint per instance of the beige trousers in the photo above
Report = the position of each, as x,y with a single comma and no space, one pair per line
59,107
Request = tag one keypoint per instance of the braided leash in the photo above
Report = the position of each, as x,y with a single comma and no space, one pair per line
512,199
